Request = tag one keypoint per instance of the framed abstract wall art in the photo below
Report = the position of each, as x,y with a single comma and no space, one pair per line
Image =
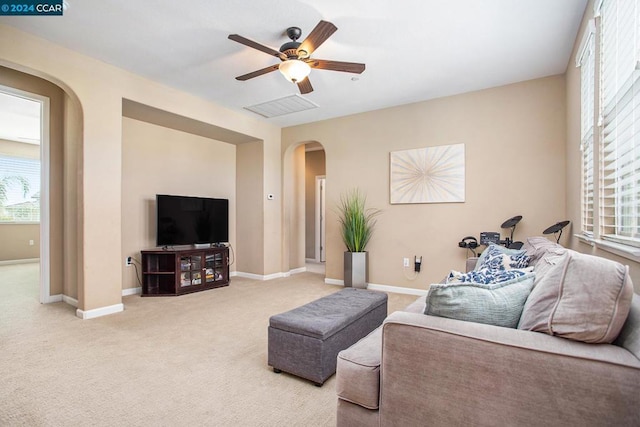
428,175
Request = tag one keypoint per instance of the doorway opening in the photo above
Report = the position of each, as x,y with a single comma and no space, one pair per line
24,182
315,187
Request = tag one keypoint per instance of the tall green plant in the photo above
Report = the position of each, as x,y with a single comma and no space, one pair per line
356,220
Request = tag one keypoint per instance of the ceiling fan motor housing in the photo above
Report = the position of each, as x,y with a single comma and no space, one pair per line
290,49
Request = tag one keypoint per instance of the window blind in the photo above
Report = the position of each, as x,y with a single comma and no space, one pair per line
16,174
587,113
619,181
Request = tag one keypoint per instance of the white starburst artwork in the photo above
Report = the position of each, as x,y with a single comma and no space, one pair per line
428,175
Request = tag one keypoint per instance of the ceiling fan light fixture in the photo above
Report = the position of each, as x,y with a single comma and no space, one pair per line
295,70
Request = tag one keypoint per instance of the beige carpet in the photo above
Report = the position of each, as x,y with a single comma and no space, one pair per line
198,359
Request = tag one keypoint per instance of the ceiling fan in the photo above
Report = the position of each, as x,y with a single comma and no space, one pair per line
296,57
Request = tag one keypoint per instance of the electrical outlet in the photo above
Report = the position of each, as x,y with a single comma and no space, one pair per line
405,262
127,261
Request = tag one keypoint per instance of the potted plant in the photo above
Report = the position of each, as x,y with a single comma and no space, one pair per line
357,223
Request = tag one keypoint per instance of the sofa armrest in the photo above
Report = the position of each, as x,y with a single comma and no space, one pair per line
448,372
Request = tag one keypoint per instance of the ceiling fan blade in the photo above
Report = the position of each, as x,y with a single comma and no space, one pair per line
257,73
266,49
316,37
347,67
305,86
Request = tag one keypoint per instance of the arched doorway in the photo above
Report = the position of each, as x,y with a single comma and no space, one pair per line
59,198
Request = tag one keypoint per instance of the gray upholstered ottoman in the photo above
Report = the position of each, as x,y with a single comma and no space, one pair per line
305,341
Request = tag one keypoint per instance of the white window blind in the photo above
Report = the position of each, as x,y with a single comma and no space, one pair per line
586,61
19,189
619,181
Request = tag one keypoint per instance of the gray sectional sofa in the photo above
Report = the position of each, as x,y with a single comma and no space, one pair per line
581,367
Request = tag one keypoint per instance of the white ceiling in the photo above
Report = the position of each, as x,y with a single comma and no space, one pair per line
414,50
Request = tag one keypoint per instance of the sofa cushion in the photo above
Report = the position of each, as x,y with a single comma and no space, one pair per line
417,306
579,297
537,247
498,304
358,371
497,257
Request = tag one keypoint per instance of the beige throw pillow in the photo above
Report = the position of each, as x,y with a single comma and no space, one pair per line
579,297
537,247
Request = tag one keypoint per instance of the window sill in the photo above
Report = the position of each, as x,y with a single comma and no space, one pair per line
19,222
624,251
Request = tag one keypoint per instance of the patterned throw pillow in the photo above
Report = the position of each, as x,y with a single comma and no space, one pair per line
498,258
486,276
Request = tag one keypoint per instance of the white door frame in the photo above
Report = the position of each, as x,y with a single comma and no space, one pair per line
45,268
320,240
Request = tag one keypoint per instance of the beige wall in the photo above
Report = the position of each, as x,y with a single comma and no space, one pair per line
19,149
28,83
15,241
72,198
249,250
16,237
514,138
99,89
574,161
159,160
314,166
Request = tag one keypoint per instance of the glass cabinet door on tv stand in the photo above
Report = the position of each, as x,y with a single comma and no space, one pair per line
190,270
181,271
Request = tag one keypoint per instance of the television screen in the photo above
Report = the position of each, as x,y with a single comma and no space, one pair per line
185,220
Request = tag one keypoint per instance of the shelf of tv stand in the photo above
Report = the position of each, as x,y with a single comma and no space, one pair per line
178,271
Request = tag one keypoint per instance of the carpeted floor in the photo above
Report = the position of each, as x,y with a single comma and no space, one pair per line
198,359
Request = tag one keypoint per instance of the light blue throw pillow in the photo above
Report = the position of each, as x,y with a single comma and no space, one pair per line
498,304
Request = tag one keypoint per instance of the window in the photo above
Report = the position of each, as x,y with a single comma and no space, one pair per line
619,165
19,189
610,124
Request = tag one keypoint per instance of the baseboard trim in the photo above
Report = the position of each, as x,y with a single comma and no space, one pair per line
131,291
70,300
383,288
20,261
54,298
249,275
99,312
397,289
268,276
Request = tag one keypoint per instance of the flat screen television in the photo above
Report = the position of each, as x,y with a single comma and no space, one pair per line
183,220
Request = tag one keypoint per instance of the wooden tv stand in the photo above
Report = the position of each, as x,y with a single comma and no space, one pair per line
181,271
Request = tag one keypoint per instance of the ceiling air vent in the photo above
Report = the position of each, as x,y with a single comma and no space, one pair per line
282,106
